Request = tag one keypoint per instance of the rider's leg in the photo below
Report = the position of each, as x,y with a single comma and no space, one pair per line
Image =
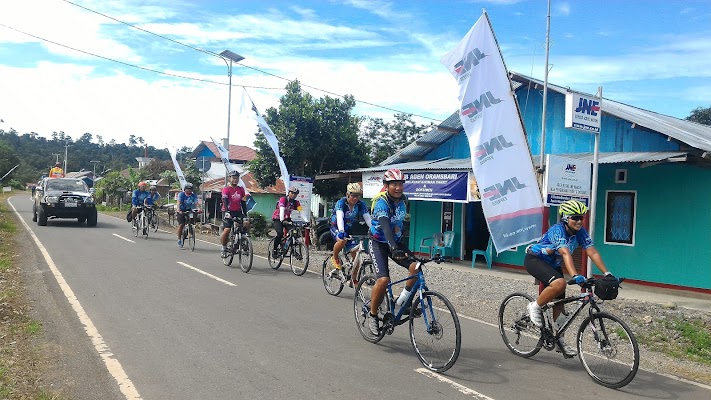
337,247
379,254
279,228
356,265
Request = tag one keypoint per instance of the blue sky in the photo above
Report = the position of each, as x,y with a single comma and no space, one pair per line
652,54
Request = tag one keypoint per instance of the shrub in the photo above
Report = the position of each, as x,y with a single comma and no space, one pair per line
260,227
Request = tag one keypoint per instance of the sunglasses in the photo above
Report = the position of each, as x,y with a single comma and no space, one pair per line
355,196
576,217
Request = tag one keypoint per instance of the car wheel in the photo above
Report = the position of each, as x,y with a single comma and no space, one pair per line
34,213
91,219
41,217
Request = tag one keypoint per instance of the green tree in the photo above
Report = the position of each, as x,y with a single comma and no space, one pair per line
8,160
700,116
190,171
108,186
155,168
315,136
386,138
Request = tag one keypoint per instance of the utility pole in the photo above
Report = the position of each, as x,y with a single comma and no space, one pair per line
66,147
56,154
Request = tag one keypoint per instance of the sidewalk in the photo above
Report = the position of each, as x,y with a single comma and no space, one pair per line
651,294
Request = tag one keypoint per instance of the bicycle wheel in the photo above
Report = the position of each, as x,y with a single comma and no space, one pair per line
331,282
608,350
245,253
144,226
230,253
366,268
191,236
361,309
438,340
134,227
520,335
275,263
155,221
299,257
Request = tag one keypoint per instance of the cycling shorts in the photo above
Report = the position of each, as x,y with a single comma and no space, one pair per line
542,271
380,252
350,244
183,217
228,224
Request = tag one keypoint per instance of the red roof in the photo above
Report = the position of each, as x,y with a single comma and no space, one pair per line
236,152
250,183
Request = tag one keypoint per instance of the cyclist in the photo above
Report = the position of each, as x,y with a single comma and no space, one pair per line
544,261
187,201
140,198
155,196
234,204
386,241
282,214
56,171
347,211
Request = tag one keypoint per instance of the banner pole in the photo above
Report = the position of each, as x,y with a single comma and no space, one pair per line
593,189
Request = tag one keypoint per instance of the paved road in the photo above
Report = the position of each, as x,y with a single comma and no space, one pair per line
170,331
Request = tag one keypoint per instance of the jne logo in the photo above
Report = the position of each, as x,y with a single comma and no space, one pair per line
486,100
502,189
488,148
471,60
570,168
590,107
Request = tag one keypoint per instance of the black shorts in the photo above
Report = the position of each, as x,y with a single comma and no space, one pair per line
380,252
227,224
542,271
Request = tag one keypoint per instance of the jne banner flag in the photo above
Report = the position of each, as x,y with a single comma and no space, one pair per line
501,159
269,135
225,156
178,171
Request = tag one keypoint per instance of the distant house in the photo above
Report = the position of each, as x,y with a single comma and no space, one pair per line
266,198
207,158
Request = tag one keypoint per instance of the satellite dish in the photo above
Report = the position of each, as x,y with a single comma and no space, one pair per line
203,164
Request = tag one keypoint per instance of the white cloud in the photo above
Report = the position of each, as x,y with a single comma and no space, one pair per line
562,8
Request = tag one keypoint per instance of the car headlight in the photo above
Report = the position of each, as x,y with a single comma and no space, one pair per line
52,199
89,199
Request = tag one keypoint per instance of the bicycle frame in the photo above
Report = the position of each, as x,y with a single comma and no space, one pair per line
417,289
359,255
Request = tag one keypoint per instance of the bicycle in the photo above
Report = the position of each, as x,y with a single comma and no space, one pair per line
607,348
332,282
239,243
139,225
153,219
189,228
293,247
436,341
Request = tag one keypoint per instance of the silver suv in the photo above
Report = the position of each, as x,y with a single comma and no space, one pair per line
64,198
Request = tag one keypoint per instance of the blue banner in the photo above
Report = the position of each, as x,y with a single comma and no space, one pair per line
437,186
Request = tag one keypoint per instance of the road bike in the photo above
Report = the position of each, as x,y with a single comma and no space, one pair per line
435,333
240,244
189,228
139,225
607,348
153,219
292,247
332,281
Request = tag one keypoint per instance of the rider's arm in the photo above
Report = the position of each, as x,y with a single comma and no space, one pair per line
597,259
367,219
134,198
387,231
339,220
568,261
225,201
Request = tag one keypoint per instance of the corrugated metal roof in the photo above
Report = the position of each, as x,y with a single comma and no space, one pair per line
691,133
465,164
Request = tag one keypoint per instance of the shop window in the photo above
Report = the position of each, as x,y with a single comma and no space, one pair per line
621,176
620,217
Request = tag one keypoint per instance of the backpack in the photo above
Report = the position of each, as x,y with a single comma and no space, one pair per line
129,216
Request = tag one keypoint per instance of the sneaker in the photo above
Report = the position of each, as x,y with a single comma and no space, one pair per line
180,244
536,314
567,350
224,253
275,254
336,265
373,325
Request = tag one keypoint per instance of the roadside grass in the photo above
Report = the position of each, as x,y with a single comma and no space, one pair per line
20,356
680,338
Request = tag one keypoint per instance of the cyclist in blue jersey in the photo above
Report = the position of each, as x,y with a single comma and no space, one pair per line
346,212
544,261
187,200
155,196
140,197
388,219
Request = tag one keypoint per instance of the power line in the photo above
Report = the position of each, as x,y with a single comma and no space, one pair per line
241,64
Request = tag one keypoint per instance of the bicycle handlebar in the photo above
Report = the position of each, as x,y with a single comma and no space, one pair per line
590,282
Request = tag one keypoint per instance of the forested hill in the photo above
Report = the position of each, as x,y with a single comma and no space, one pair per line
36,154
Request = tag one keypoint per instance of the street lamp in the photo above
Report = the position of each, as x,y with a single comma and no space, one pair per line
228,55
94,162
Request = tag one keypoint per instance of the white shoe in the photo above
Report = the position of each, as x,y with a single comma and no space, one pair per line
566,349
373,325
535,313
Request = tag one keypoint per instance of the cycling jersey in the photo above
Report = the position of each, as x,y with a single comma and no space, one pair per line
289,206
556,238
233,196
56,172
349,216
140,197
187,203
395,212
156,197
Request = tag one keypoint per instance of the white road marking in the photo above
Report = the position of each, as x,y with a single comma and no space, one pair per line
121,237
228,283
112,364
463,389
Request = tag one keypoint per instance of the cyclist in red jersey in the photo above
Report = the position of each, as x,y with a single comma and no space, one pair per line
234,204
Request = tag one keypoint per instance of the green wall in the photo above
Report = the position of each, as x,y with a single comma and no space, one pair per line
426,219
266,203
672,239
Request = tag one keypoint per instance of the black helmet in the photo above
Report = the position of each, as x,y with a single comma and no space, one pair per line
188,186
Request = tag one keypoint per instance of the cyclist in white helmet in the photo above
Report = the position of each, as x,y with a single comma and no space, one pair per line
544,261
346,212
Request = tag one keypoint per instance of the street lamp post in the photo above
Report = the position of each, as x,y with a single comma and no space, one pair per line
228,55
94,162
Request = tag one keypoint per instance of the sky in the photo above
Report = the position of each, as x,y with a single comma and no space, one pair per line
77,71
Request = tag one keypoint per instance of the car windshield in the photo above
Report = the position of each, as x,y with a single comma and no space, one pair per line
67,185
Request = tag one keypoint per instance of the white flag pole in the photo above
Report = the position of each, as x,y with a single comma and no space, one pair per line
593,189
